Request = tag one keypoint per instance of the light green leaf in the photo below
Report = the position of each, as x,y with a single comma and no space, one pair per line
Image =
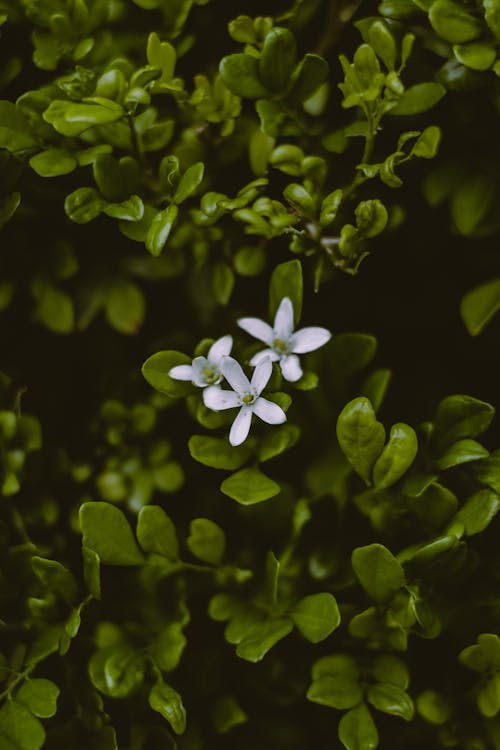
106,531
453,22
206,540
116,670
53,162
222,282
316,616
479,305
156,532
492,16
19,728
478,511
286,281
335,691
218,453
189,181
159,231
125,306
390,669
249,486
477,55
277,59
278,441
461,452
360,436
357,730
396,457
240,73
156,368
131,209
260,638
40,696
55,578
92,571
16,133
488,697
391,700
378,571
300,200
169,645
419,98
55,308
459,417
168,703
383,43
83,205
433,707
73,118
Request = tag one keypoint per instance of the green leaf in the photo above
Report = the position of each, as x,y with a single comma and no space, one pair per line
16,133
206,540
116,670
92,571
217,453
73,118
308,76
390,669
278,441
360,436
357,730
125,306
106,531
40,696
460,417
189,181
371,217
249,486
222,282
300,200
433,707
260,638
335,682
156,532
54,307
316,616
19,728
478,511
419,98
383,43
168,703
55,578
8,207
169,645
227,713
461,452
53,162
492,16
277,59
453,23
479,305
378,571
286,281
478,55
471,201
427,144
83,205
375,387
396,457
240,73
351,352
488,697
156,368
391,700
131,209
159,231
161,55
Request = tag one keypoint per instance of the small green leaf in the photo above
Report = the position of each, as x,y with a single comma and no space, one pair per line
156,368
479,305
156,532
160,228
360,436
461,452
488,697
53,162
471,201
278,441
222,282
375,387
106,531
16,133
371,217
419,98
459,417
277,59
217,453
83,205
300,200
260,638
116,670
169,645
206,540
427,144
55,578
396,457
73,118
383,43
316,616
453,22
492,16
433,707
378,571
308,76
335,682
21,730
478,511
189,181
477,55
40,696
168,703
357,730
390,669
286,281
391,700
125,306
249,486
131,209
240,73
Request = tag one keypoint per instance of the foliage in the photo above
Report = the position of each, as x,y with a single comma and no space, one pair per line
177,178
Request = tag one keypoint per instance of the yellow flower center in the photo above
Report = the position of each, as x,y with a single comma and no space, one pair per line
280,346
248,399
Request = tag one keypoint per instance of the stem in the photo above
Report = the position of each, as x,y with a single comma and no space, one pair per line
135,141
20,677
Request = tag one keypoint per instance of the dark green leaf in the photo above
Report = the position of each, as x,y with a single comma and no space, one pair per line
240,73
277,59
55,578
16,133
106,531
206,540
479,305
460,417
260,638
378,571
391,700
189,181
360,436
286,281
461,452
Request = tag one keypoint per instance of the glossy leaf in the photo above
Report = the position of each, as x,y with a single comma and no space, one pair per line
360,436
156,532
249,486
316,616
106,531
378,571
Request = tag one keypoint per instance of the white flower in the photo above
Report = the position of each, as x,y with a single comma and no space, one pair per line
284,344
205,371
246,395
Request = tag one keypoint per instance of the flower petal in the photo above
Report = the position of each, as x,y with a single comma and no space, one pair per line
181,372
217,399
283,320
241,426
258,329
273,356
220,348
309,339
268,411
231,369
199,376
261,375
290,368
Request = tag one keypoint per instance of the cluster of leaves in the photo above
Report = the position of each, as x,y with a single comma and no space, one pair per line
148,180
